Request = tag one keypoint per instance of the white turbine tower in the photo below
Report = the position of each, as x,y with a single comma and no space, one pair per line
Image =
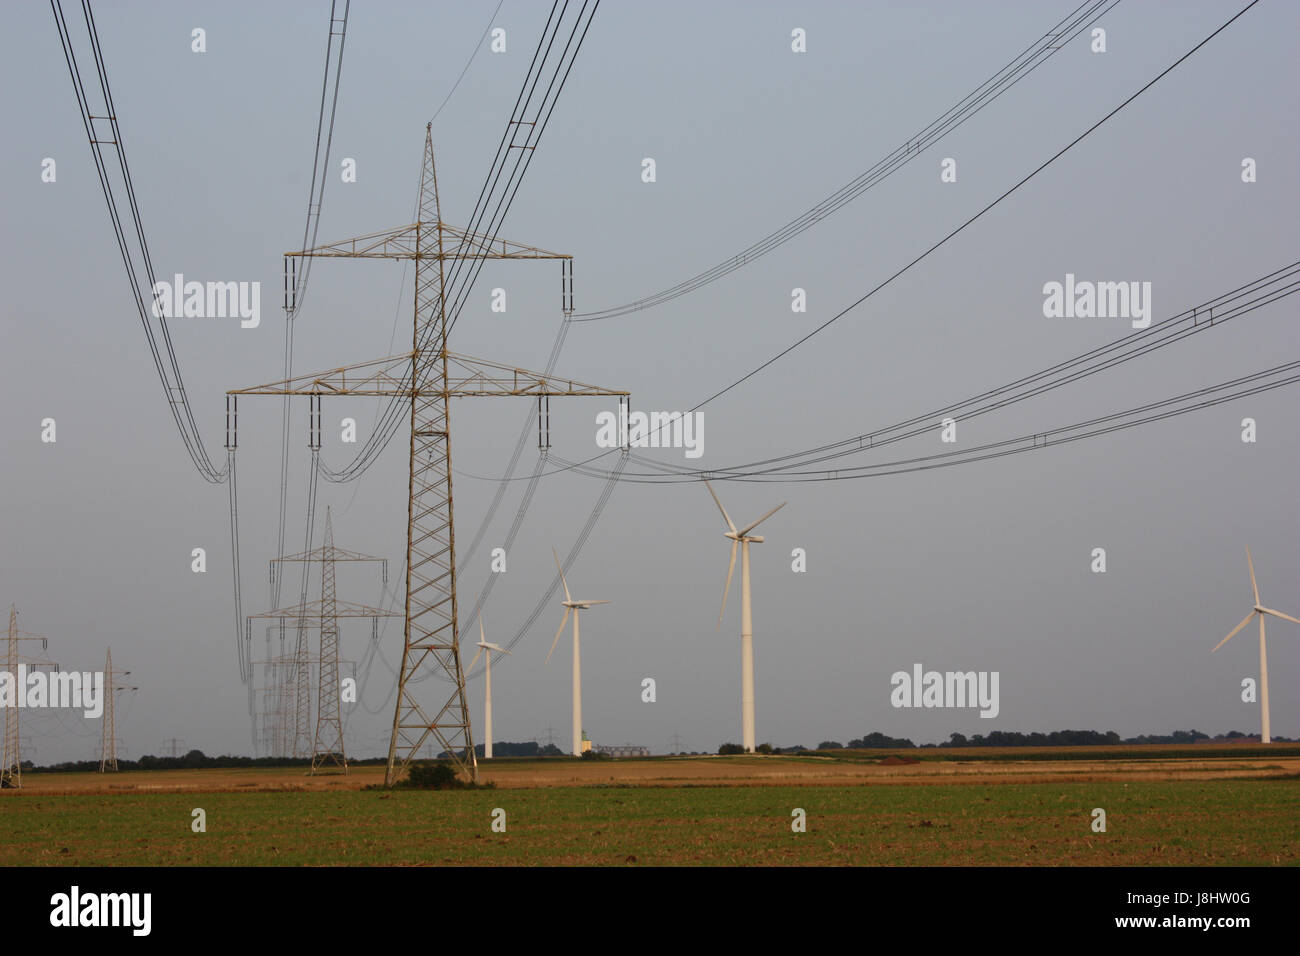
1260,610
572,607
483,645
743,539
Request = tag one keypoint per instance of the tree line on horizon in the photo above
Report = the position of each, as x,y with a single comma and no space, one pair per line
197,759
1010,738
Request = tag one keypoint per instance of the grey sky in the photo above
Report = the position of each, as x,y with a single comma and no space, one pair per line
979,567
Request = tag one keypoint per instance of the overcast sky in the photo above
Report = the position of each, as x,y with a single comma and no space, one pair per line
981,567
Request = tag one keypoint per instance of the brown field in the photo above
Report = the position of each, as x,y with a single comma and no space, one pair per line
1014,765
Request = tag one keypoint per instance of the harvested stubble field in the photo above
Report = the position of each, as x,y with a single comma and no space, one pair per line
1163,807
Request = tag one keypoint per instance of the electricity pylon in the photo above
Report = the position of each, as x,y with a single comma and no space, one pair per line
429,376
108,739
276,695
295,688
277,698
11,763
327,742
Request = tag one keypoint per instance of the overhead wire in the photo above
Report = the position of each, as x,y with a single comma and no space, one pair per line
992,205
1209,314
456,286
1038,53
1055,39
159,338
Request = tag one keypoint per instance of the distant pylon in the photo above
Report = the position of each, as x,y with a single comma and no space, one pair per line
326,744
11,763
11,767
108,738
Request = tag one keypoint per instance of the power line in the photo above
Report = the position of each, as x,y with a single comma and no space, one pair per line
1021,66
477,46
1061,152
1242,387
311,227
1212,313
456,285
137,261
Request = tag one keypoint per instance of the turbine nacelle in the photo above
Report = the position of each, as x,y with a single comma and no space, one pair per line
737,535
485,645
570,606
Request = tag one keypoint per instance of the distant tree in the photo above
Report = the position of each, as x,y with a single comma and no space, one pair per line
727,749
830,745
879,741
956,740
763,749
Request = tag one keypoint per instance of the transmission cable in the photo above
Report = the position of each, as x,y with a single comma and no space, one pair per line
1021,66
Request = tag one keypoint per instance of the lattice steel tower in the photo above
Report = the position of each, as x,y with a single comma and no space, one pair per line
429,376
11,761
108,739
327,742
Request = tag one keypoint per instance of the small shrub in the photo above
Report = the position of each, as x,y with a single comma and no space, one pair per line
440,775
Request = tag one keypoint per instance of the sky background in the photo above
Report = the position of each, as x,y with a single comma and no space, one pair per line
980,567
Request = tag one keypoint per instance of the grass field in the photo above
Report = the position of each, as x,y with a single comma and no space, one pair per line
713,811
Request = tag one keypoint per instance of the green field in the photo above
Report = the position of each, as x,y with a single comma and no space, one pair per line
1226,822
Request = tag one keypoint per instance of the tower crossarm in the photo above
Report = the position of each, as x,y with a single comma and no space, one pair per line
467,377
378,377
400,243
311,611
327,554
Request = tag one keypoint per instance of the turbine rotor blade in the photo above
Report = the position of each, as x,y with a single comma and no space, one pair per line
726,517
563,621
561,570
1235,631
588,603
727,588
1285,617
762,519
1252,575
475,660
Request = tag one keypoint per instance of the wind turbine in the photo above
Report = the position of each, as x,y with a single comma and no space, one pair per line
1260,610
483,645
738,539
572,607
